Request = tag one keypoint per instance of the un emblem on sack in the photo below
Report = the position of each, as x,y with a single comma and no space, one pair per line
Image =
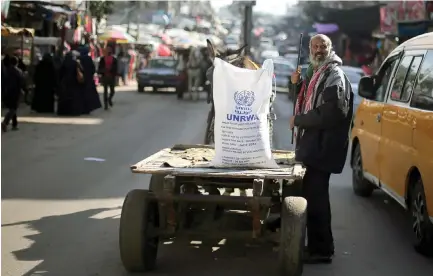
244,99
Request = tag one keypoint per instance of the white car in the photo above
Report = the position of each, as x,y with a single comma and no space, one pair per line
354,74
268,54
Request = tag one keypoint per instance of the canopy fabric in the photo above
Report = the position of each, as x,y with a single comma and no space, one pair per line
117,36
163,51
6,31
323,28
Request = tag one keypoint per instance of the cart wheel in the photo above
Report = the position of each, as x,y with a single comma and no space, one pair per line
292,239
138,248
140,88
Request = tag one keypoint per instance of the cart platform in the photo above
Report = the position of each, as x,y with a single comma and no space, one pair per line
193,160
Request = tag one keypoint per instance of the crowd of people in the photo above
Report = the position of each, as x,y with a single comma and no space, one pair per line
66,86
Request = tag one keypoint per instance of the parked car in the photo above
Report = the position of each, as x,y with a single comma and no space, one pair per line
161,72
354,74
392,135
232,42
266,54
283,69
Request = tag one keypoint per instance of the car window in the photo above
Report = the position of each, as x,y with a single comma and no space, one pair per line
405,78
383,79
423,92
162,63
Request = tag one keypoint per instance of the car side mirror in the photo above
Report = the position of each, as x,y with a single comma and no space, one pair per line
366,87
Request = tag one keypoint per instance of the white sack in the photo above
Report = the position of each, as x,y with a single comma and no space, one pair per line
242,102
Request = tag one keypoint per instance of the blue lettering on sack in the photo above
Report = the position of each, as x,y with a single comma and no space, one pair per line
244,99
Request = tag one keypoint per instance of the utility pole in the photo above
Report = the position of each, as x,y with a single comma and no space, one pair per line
130,9
140,5
248,24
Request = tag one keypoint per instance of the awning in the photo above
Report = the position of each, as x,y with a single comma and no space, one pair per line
49,11
323,28
6,31
356,21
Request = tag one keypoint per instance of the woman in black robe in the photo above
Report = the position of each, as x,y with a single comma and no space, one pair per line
71,100
90,95
45,80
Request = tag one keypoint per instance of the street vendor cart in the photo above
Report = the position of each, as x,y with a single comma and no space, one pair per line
188,199
19,42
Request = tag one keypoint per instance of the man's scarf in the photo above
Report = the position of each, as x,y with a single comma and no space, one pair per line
304,103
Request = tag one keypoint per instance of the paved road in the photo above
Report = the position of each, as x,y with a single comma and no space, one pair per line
60,213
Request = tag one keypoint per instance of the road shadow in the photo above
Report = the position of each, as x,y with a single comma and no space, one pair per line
60,239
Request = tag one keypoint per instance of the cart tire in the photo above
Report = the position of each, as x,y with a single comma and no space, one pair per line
140,88
138,251
292,239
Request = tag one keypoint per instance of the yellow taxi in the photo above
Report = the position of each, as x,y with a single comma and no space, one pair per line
392,134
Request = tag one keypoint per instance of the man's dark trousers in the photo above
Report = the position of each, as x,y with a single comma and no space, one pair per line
108,82
11,115
316,191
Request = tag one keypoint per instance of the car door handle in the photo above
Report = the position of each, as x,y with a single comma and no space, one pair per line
378,117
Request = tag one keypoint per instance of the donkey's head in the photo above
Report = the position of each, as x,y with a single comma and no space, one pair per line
235,57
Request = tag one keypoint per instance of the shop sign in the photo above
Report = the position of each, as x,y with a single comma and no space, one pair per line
401,12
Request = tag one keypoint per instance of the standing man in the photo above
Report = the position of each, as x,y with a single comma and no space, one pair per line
15,83
107,72
323,114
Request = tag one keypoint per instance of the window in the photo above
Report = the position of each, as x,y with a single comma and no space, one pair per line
162,63
423,92
405,78
383,78
399,78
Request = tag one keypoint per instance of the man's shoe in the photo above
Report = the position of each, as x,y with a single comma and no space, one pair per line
110,102
15,128
4,127
317,258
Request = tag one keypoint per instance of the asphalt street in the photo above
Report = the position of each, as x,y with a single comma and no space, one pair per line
60,212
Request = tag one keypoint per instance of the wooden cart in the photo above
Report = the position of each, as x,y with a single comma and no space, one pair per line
189,199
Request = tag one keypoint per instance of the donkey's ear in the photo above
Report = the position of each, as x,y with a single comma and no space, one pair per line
211,50
241,51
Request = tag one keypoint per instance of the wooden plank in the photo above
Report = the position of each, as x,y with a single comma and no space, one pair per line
193,160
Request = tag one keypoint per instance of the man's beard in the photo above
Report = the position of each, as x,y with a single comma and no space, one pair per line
316,62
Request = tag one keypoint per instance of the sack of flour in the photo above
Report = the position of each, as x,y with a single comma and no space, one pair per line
242,102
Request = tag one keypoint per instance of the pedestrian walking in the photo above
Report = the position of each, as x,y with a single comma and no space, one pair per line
15,84
123,61
108,71
90,94
323,114
71,95
46,84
